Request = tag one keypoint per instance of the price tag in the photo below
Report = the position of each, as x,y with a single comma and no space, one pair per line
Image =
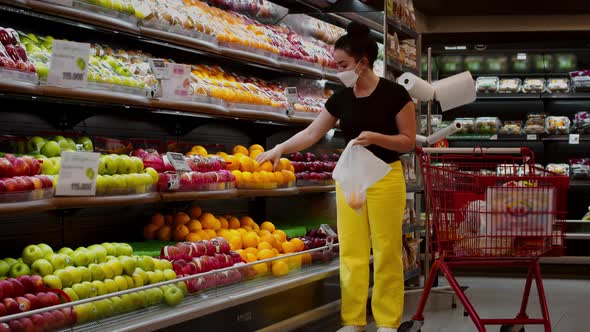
574,139
159,69
178,162
77,174
69,64
292,95
494,138
177,86
67,3
531,137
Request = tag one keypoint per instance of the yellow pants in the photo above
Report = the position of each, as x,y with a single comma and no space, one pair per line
380,223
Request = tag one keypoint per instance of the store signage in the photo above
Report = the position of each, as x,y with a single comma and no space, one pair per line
78,174
178,162
159,69
574,139
69,64
292,95
67,3
177,85
521,56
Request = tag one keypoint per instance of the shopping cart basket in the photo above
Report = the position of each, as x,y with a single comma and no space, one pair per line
491,208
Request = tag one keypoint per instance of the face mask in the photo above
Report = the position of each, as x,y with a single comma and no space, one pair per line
349,77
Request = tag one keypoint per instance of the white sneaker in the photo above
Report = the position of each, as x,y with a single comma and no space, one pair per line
386,329
352,328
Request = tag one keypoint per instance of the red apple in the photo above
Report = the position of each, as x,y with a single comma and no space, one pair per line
34,165
11,51
31,67
6,168
37,183
16,326
45,180
169,252
29,184
21,168
70,316
210,247
185,248
28,324
53,298
4,327
27,283
49,320
199,249
190,268
2,186
6,288
11,305
20,64
22,53
60,318
18,288
44,299
186,181
221,245
23,304
2,310
198,266
35,303
39,322
38,283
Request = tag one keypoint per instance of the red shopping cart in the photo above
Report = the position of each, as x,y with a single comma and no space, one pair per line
491,208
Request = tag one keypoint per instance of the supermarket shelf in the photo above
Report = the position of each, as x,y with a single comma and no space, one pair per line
403,31
268,192
195,306
26,207
97,201
573,95
398,68
508,96
199,195
580,184
316,189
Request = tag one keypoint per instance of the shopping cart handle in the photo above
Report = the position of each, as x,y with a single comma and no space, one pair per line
476,150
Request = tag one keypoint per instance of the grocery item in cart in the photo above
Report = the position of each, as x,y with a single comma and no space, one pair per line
559,125
467,126
581,123
487,84
533,85
487,125
511,128
580,168
561,169
509,85
555,85
535,123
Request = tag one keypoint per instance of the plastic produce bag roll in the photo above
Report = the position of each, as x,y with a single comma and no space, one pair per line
417,87
421,139
455,91
444,133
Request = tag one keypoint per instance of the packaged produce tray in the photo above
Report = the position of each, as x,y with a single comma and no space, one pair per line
143,92
141,189
25,196
9,75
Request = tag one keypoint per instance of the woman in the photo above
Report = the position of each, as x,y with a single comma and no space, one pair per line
379,115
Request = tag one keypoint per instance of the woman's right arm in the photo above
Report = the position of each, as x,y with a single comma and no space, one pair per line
302,140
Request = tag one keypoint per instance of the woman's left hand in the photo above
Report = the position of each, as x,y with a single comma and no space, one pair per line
366,138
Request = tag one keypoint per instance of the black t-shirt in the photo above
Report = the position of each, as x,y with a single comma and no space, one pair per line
374,113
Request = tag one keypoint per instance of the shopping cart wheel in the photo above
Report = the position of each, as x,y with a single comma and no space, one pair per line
410,326
511,328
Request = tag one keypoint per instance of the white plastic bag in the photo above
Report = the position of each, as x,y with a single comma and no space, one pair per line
356,171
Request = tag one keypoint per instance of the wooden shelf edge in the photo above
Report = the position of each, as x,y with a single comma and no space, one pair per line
316,189
267,192
27,207
199,195
96,201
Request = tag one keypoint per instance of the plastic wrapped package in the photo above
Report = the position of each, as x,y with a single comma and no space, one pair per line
559,125
581,123
535,123
435,122
520,65
474,63
533,85
496,64
487,84
565,62
511,128
487,125
555,85
467,125
509,85
561,169
580,168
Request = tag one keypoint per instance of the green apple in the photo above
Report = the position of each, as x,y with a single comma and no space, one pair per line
138,280
105,307
84,312
153,173
71,144
59,261
65,251
54,180
50,166
125,165
80,258
93,292
85,274
52,281
116,266
111,286
126,303
92,256
71,293
146,179
86,143
169,274
138,299
42,267
132,180
20,260
101,168
118,182
152,278
173,296
4,268
100,252
111,164
51,149
46,249
117,304
19,269
107,271
182,286
75,274
130,282
101,184
138,164
143,295
129,264
96,272
32,253
101,289
125,249
42,69
65,277
145,263
154,296
121,283
110,258
111,249
11,261
82,290
35,144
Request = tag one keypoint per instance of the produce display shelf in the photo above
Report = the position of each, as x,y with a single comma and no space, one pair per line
268,192
508,96
40,205
199,195
208,302
316,189
85,19
97,201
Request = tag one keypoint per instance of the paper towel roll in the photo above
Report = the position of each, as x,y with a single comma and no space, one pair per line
421,139
455,91
417,87
444,133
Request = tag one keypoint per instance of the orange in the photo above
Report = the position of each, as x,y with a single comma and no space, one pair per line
150,231
299,245
284,164
275,251
268,226
208,221
288,176
232,163
203,234
281,234
235,242
255,147
246,221
224,233
180,232
257,178
264,232
250,240
255,153
247,178
264,245
199,150
256,165
288,247
261,269
165,233
242,231
251,258
240,149
234,223
252,250
279,178
238,175
169,219
194,226
279,268
247,228
247,164
211,233
193,237
181,218
306,258
294,262
195,212
240,155
265,254
222,154
268,238
224,222
158,220
255,227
